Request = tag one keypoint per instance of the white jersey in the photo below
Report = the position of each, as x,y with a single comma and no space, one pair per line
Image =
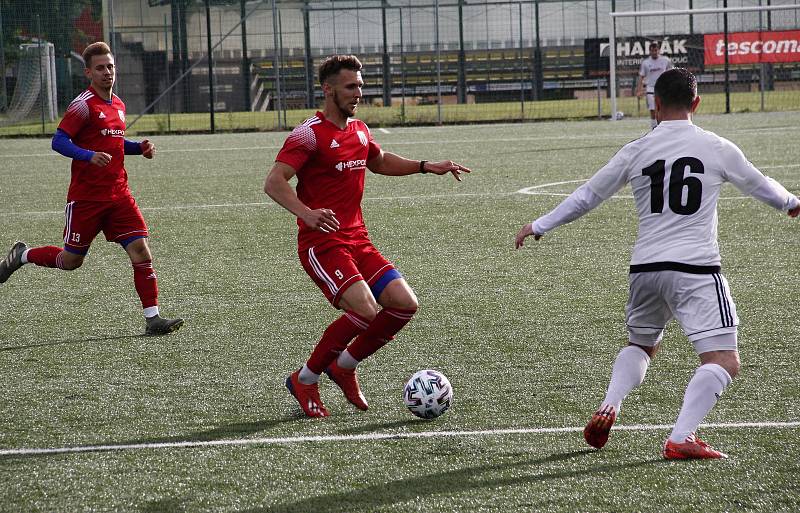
675,172
651,69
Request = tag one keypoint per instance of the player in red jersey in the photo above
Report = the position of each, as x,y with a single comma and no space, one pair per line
330,153
92,133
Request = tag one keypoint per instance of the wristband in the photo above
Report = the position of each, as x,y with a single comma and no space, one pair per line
422,166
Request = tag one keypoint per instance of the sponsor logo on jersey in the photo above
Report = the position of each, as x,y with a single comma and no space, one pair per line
101,116
113,132
334,144
121,115
351,164
362,137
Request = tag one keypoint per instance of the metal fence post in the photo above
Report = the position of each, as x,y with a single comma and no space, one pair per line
438,65
245,59
387,70
3,93
210,67
402,73
41,74
276,63
521,62
462,59
727,63
309,61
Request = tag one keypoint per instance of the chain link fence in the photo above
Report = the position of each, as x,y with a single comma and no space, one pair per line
187,65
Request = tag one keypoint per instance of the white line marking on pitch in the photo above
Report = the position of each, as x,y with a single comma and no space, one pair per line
370,437
383,130
534,191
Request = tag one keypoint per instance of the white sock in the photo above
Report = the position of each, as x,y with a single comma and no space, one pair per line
307,377
628,373
653,123
24,258
702,393
150,311
346,360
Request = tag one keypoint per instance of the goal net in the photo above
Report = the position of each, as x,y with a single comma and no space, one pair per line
760,71
34,97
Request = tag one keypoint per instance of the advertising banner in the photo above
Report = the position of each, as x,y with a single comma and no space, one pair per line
753,47
685,51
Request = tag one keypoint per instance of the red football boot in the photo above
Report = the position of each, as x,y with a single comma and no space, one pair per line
691,449
597,430
346,380
307,396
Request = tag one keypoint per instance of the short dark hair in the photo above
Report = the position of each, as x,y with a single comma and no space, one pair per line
676,87
656,44
335,63
98,48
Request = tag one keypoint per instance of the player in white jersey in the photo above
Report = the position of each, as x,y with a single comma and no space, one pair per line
649,71
676,172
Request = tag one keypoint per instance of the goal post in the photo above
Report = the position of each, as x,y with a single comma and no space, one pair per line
750,52
35,93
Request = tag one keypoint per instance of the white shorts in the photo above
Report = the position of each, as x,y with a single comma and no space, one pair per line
651,100
701,303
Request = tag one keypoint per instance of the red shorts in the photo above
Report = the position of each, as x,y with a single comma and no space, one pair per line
334,269
120,220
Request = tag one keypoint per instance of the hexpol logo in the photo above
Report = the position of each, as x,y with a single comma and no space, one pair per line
351,164
104,131
112,132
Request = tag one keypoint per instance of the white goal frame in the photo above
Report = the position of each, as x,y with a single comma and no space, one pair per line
36,85
612,36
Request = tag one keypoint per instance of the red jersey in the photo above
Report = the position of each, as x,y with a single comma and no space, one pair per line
331,163
97,125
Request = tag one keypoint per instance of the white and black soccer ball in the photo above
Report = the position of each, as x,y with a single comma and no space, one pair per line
428,394
619,115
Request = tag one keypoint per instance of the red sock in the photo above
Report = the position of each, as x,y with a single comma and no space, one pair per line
144,279
380,331
334,340
46,256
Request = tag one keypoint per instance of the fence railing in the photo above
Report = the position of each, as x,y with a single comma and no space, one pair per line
186,65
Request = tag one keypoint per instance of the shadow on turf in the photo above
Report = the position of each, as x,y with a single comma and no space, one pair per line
73,341
452,483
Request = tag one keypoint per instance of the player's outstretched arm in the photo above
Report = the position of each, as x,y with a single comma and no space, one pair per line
581,201
525,232
277,187
390,164
748,179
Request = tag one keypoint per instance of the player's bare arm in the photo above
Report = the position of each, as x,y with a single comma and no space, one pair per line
525,232
640,87
390,164
277,187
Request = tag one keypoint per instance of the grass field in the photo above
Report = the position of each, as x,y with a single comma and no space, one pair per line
201,420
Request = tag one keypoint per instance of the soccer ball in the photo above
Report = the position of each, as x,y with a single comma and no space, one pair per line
428,394
619,115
